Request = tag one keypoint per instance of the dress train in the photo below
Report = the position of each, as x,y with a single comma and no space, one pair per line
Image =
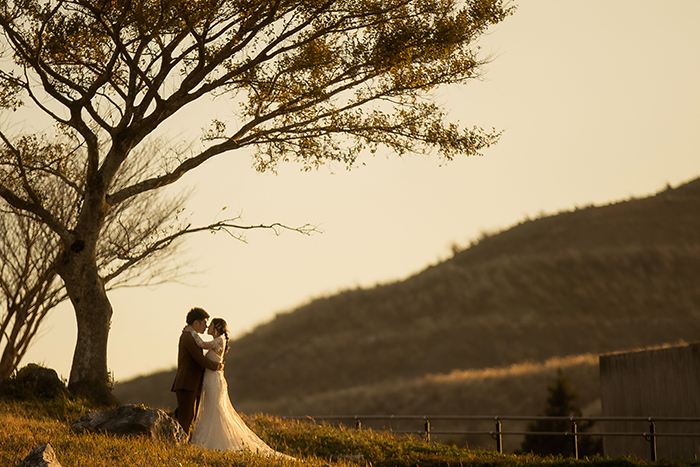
218,426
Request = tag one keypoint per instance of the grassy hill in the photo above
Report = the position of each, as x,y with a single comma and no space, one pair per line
589,281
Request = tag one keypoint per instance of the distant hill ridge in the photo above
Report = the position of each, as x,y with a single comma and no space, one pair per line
592,280
668,218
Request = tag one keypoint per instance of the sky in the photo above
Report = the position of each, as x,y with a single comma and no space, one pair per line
598,100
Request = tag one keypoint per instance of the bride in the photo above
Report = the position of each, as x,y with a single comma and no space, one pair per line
218,426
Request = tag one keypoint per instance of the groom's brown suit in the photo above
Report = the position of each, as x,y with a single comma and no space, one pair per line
191,363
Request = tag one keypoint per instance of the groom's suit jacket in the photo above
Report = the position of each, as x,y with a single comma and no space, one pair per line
191,363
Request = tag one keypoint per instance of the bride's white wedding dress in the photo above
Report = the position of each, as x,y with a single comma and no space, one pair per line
218,426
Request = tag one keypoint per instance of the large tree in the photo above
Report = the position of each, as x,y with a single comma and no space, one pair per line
137,237
311,81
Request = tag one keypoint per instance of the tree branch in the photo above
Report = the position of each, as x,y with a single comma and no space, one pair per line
228,226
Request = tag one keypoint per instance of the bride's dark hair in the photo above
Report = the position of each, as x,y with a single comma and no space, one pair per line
222,328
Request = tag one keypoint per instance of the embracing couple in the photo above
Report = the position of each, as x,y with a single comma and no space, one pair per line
202,391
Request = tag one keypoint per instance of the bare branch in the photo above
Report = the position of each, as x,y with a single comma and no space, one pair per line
229,226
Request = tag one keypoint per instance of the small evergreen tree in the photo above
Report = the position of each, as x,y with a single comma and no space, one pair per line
561,402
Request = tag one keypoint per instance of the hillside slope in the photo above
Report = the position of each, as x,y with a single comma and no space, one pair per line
592,280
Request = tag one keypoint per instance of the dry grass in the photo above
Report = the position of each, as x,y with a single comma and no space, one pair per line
515,390
519,389
23,427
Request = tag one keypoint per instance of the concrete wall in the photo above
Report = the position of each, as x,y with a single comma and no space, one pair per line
657,383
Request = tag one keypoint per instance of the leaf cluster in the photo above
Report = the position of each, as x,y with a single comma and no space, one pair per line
317,81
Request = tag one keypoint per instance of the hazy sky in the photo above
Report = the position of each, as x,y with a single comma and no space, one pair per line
599,100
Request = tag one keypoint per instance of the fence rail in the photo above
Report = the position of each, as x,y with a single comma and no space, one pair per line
498,433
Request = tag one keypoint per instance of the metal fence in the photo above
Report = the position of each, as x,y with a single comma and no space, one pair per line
429,427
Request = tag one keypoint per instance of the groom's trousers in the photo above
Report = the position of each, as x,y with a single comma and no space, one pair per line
186,405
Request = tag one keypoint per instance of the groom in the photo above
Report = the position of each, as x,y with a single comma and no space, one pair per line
191,363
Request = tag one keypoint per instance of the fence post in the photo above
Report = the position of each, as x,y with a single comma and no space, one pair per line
427,430
574,440
652,439
499,437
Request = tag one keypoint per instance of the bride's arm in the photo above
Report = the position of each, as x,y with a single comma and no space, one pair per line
200,343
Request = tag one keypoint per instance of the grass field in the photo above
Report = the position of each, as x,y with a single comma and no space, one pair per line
30,423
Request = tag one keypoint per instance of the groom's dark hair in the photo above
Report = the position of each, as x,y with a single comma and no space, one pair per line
196,314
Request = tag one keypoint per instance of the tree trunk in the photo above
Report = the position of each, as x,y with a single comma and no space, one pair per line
7,362
89,376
